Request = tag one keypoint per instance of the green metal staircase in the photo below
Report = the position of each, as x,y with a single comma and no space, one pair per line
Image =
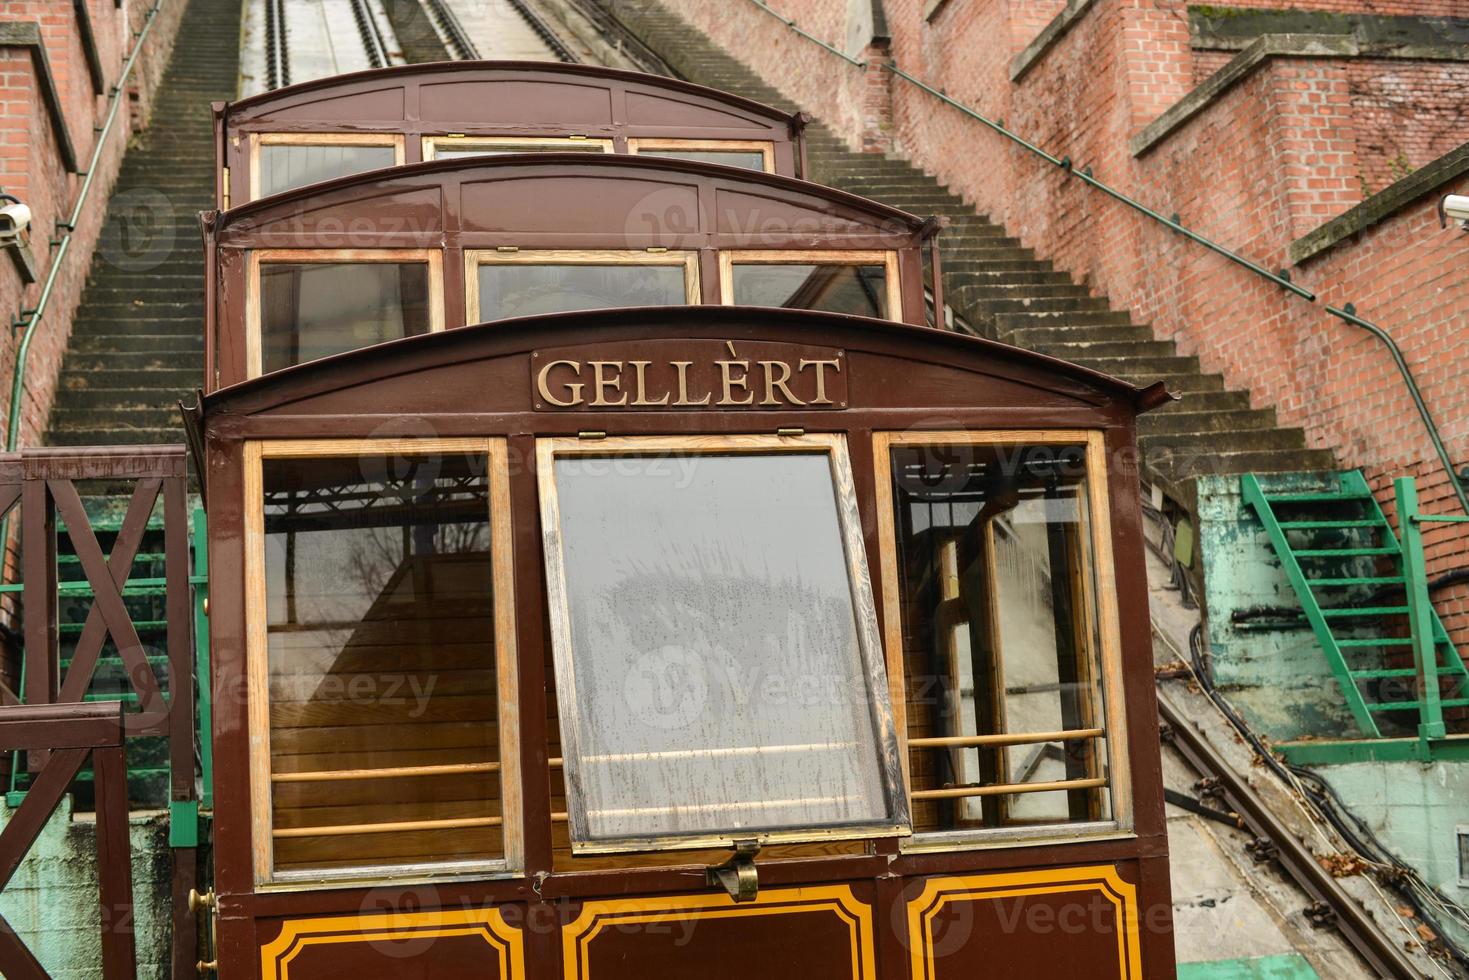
146,598
1365,597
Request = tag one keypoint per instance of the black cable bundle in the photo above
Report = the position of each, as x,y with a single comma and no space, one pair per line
1402,878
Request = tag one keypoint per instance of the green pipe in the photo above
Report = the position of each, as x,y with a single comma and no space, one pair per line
1065,164
810,37
17,385
1349,314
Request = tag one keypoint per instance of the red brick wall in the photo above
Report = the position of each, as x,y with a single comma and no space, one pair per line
1276,155
31,166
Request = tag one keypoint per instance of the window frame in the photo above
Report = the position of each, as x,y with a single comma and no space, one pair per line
495,450
257,140
766,148
1105,611
887,258
254,339
429,145
474,258
888,738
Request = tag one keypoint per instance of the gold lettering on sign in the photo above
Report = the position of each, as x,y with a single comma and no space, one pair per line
601,384
821,366
682,367
731,381
640,374
573,388
774,380
692,375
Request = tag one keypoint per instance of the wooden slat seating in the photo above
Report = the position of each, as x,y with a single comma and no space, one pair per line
412,687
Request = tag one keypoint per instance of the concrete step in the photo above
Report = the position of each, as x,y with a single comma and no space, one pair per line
1041,338
1140,367
1077,350
1185,421
1233,440
1007,322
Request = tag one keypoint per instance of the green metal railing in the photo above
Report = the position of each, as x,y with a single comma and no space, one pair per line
183,822
1347,313
1428,632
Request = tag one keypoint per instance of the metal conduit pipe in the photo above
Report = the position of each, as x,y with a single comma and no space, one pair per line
1281,278
32,318
1349,314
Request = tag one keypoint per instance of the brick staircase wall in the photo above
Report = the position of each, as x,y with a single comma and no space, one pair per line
32,166
1005,291
1259,167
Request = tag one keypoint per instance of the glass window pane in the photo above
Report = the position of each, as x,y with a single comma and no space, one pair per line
310,310
381,652
748,159
718,685
1000,634
860,289
457,151
507,290
285,167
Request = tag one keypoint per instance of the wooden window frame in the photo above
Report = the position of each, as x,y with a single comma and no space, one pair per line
433,257
496,452
766,148
257,140
430,144
474,258
1103,608
870,640
887,258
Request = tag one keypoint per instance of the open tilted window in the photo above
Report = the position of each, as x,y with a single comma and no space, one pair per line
381,656
523,283
718,663
1000,600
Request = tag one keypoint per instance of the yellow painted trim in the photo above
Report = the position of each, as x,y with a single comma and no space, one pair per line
1103,879
595,916
297,934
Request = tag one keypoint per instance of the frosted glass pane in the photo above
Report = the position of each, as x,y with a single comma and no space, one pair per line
718,683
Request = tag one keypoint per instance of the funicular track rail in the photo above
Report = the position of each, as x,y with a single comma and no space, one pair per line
1332,902
455,37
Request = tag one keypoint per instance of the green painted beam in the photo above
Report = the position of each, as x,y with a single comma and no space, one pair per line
1336,753
1285,966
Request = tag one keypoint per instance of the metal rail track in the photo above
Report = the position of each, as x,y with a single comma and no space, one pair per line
372,37
277,59
456,39
1331,903
544,31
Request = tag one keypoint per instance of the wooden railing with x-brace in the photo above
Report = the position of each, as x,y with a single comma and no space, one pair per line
44,482
70,734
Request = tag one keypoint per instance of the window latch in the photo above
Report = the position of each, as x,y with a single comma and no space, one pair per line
738,875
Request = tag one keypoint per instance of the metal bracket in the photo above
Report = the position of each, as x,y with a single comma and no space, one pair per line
738,875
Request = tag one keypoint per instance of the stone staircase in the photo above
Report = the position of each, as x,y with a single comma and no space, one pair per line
137,342
1002,290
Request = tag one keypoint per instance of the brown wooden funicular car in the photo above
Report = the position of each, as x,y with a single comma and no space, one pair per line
614,576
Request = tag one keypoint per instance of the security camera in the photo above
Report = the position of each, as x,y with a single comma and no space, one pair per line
15,218
1455,206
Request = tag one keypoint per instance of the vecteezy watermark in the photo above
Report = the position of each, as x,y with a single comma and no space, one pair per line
139,232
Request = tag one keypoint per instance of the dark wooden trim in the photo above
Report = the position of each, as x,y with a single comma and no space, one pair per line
88,36
27,34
